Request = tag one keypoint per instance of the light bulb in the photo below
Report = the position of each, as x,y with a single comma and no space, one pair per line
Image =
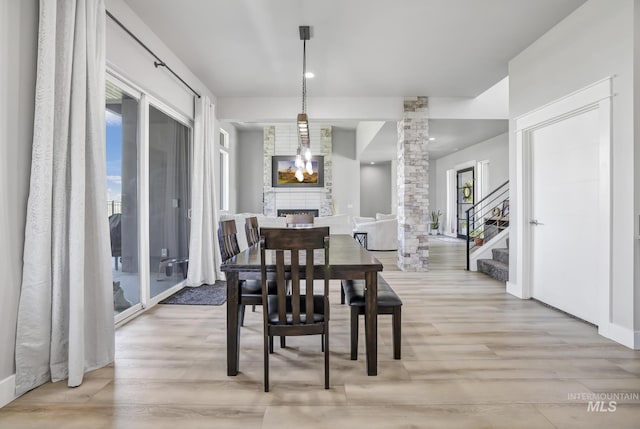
299,164
309,168
307,154
299,175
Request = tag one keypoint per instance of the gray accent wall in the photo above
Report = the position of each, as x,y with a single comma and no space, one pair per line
248,167
18,44
346,172
375,189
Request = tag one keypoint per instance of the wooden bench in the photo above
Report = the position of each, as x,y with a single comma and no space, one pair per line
388,303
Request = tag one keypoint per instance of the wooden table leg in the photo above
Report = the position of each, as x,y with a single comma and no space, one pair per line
371,321
233,326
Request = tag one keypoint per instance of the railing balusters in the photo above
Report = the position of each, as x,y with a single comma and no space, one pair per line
477,214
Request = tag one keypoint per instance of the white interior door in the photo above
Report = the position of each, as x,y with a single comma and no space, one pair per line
564,217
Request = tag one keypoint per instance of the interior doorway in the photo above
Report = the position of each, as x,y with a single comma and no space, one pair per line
563,212
564,257
465,198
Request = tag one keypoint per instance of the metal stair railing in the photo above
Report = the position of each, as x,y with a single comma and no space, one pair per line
487,218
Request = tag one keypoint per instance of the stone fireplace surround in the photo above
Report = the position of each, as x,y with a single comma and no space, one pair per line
282,139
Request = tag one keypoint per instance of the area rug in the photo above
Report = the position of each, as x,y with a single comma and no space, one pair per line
215,294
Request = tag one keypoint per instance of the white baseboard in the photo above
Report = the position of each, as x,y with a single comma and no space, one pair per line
7,390
515,290
625,336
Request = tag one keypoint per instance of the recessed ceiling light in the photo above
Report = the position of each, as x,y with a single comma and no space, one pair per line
431,139
372,163
309,75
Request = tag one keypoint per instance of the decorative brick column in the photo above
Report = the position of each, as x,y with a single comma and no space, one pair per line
413,186
326,149
268,196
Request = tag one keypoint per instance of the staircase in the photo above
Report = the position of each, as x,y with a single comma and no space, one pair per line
498,266
488,224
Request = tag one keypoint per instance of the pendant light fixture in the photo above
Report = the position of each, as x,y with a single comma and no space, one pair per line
303,154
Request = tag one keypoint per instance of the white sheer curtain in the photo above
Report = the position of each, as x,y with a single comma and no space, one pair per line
65,316
204,252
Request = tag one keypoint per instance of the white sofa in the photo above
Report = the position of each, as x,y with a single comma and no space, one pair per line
338,224
382,231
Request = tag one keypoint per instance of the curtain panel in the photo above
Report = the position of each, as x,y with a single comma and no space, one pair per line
204,251
65,316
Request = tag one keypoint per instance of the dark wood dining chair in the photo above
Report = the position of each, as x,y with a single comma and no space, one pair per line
252,230
295,313
299,220
251,289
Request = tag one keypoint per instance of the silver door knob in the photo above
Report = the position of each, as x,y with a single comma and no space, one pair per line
535,222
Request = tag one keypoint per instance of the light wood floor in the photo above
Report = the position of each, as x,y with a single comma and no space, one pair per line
472,356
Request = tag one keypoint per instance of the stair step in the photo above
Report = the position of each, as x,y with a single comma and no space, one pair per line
496,269
501,255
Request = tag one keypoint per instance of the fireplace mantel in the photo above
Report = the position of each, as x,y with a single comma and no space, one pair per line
284,212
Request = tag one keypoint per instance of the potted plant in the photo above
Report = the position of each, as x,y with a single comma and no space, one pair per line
435,222
478,236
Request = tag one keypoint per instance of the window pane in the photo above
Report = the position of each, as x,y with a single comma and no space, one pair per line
169,200
122,195
224,180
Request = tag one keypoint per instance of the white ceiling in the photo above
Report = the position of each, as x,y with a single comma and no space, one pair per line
450,136
358,48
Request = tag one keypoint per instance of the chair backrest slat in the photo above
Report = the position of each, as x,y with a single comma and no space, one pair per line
295,286
228,239
281,287
252,230
309,284
291,242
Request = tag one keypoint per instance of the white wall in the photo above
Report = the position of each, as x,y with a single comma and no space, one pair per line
491,104
434,190
132,62
320,109
375,189
346,172
18,43
594,42
128,58
496,150
365,133
250,175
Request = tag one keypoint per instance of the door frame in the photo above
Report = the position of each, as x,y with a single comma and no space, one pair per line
145,101
596,96
462,168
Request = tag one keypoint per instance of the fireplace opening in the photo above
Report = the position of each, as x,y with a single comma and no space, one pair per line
284,212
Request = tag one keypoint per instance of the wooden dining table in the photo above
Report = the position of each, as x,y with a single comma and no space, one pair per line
347,260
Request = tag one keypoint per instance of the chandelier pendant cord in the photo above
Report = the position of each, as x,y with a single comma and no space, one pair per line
304,76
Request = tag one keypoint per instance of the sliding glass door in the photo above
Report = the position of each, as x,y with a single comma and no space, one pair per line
148,149
169,200
122,194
